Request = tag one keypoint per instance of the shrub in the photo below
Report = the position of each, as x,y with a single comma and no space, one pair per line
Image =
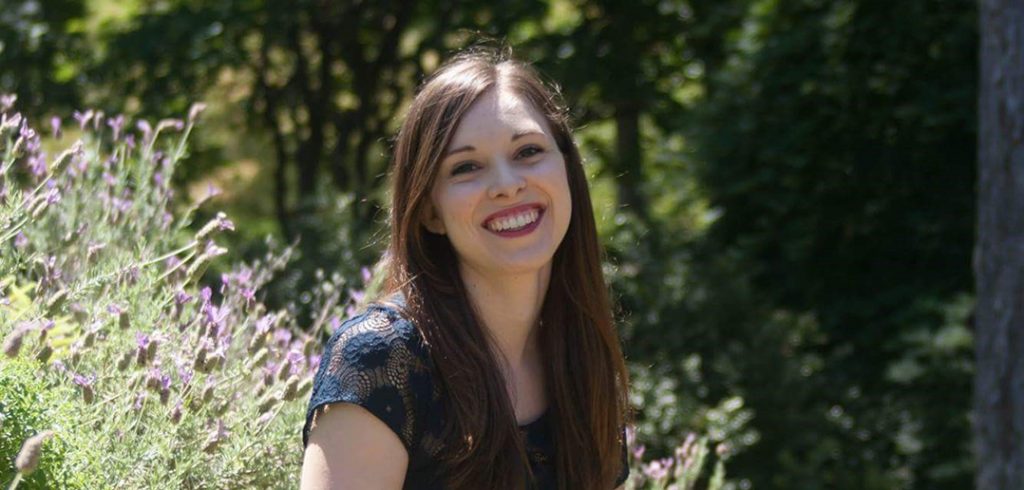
164,382
29,406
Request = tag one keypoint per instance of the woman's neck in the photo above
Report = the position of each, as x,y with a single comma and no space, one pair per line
509,307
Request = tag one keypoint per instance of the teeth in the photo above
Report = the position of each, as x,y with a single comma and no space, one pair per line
514,222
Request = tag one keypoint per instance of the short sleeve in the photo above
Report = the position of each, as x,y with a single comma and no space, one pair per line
624,471
375,360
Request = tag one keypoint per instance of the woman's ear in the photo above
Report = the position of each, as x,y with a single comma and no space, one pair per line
432,221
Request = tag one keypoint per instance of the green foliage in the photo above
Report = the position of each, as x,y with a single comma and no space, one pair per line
838,144
39,47
29,405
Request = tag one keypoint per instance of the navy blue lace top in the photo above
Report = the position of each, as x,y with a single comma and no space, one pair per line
377,360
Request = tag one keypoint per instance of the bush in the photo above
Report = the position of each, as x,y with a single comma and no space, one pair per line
27,407
161,381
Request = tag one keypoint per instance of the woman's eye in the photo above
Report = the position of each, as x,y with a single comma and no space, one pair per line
463,167
530,151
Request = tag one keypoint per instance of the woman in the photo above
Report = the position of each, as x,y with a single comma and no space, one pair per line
492,361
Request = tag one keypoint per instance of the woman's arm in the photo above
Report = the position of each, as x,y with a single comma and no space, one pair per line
350,448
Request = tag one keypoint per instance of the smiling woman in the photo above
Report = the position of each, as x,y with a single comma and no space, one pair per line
491,360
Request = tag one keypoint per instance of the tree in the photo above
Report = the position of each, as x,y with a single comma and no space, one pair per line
37,53
324,79
838,143
999,253
618,62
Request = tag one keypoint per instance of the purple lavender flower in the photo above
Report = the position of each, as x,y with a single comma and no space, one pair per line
25,131
658,468
638,452
86,385
129,141
223,223
10,122
295,357
180,296
53,196
83,118
365,272
116,123
264,324
156,380
55,127
122,205
7,101
212,250
314,362
147,130
140,398
142,340
211,191
37,164
282,336
214,316
20,241
249,294
335,323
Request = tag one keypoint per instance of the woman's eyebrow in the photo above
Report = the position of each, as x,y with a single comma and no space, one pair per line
516,136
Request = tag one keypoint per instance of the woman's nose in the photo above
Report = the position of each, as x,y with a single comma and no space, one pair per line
507,181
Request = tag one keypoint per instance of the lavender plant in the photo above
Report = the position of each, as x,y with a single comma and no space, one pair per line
682,471
169,385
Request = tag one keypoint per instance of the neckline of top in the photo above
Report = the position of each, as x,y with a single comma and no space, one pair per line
398,299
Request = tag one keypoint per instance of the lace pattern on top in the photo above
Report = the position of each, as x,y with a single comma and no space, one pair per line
377,361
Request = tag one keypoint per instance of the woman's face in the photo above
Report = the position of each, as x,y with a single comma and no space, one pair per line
501,194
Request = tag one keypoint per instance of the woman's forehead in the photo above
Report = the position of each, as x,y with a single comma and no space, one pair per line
497,112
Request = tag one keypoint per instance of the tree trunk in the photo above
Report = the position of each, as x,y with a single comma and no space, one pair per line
629,167
999,253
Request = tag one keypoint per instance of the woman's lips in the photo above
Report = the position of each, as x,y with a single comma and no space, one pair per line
505,223
511,212
518,232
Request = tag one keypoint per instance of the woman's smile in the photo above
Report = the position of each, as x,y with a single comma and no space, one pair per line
516,221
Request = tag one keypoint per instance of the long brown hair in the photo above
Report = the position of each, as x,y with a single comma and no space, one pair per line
586,377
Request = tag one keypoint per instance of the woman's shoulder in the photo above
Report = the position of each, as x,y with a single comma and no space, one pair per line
379,334
376,359
377,322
